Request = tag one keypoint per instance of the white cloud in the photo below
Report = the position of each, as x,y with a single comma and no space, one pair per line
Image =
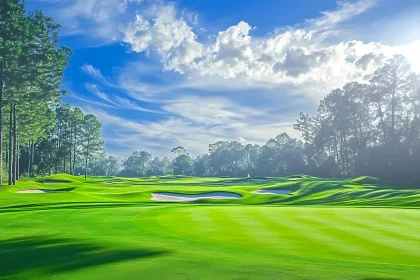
210,110
94,89
344,11
112,101
92,71
297,56
159,30
225,120
97,22
97,75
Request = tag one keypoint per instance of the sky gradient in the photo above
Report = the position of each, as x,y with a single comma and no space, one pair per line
159,74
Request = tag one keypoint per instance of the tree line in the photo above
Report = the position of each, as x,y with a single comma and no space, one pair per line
360,129
38,134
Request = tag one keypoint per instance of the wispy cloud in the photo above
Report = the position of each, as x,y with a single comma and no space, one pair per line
345,11
110,101
190,127
97,75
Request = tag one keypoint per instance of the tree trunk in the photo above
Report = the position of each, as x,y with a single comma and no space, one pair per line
1,119
57,160
346,153
70,153
64,164
337,158
15,150
29,157
10,144
70,162
393,140
381,114
74,154
7,157
32,173
87,155
18,165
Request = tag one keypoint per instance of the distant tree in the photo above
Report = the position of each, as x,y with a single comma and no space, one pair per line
179,151
112,166
201,166
91,138
137,165
156,167
183,165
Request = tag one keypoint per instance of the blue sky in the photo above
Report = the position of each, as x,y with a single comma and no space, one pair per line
159,74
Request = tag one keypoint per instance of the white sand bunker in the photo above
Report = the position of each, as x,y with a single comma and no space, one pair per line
107,183
191,197
45,191
31,191
268,191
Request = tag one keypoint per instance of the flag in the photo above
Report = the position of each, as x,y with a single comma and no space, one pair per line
249,175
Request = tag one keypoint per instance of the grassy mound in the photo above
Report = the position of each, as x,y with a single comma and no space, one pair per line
365,180
58,179
306,190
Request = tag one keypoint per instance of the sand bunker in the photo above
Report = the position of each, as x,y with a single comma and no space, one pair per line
268,191
46,191
191,197
107,183
31,191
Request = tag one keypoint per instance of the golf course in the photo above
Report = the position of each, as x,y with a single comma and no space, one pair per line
179,227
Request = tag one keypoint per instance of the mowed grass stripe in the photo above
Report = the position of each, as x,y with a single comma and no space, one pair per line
202,220
279,237
268,234
390,239
382,245
350,234
173,223
228,228
304,238
388,226
238,228
326,236
405,217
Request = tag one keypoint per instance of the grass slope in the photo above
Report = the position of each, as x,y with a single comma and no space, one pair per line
108,228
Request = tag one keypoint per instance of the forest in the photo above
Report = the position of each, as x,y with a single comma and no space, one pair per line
360,129
37,132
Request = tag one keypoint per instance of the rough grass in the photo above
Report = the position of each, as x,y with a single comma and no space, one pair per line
109,228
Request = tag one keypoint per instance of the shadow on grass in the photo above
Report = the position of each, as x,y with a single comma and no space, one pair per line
380,278
69,205
45,255
58,190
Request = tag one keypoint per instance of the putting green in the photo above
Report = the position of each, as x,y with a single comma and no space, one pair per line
115,231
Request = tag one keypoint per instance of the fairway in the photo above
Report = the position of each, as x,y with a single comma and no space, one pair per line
110,228
209,140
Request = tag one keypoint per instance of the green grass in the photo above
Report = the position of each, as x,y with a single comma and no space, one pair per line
326,229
